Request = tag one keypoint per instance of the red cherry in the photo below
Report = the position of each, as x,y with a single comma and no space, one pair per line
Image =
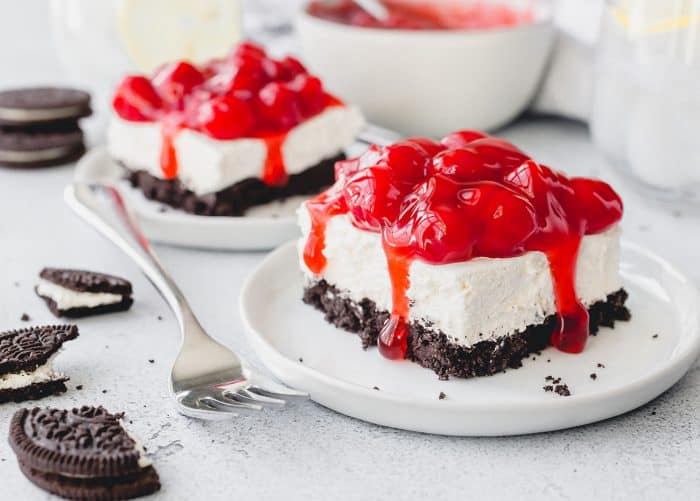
175,80
508,219
601,205
462,138
279,106
249,49
498,154
344,169
407,160
462,164
274,70
135,99
310,89
431,147
225,117
371,197
292,67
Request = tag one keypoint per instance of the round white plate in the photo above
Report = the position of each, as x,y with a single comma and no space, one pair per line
304,351
262,228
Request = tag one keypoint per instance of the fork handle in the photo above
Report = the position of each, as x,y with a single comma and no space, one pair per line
117,222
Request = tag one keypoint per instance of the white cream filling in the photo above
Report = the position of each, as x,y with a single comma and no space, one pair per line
207,165
469,301
144,462
42,374
66,299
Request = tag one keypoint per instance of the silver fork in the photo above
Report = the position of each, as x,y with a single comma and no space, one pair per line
208,380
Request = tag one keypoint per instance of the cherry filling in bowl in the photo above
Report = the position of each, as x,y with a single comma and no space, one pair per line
425,15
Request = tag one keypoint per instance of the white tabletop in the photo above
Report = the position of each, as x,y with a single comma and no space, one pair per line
307,452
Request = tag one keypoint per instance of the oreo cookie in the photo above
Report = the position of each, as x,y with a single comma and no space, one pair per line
42,105
42,146
80,293
81,453
26,362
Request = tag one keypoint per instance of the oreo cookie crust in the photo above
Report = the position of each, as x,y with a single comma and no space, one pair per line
237,198
26,355
40,147
81,453
80,293
432,349
29,106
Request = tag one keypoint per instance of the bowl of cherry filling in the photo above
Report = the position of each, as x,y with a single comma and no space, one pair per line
244,135
492,295
431,67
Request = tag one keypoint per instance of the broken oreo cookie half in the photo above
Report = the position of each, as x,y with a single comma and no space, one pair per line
83,453
26,362
80,293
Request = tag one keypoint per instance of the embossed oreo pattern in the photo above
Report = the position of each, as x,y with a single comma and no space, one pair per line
26,349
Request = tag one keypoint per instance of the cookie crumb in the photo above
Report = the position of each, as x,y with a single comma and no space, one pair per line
442,396
549,360
301,360
653,413
104,391
548,387
160,317
25,317
601,366
562,390
655,336
594,376
151,361
79,387
376,388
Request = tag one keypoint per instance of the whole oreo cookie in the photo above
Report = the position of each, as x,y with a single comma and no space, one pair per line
31,106
81,454
80,293
26,362
41,147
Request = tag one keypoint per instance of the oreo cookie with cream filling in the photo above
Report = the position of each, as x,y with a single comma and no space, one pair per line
40,105
81,293
83,453
41,147
26,362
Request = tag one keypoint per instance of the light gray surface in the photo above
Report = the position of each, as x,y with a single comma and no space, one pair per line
307,452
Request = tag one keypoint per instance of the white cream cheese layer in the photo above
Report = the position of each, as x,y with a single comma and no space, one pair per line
66,299
207,165
42,374
469,301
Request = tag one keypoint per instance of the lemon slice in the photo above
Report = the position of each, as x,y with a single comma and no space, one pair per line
651,17
159,31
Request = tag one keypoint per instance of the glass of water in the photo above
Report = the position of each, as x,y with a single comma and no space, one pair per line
646,107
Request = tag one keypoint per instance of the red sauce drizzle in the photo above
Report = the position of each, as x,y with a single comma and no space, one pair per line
246,94
471,195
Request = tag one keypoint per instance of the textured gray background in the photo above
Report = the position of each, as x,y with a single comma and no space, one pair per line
308,452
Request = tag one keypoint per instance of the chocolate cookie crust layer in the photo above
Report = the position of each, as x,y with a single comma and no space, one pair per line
34,391
237,198
433,350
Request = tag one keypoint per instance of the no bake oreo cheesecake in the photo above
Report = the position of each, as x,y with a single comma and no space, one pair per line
231,134
463,255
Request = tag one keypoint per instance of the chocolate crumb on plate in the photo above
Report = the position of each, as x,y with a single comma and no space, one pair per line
25,317
655,336
442,396
601,366
562,390
376,388
594,376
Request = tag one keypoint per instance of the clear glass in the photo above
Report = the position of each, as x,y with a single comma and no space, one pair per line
646,106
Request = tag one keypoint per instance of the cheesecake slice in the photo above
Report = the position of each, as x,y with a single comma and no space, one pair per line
464,256
231,134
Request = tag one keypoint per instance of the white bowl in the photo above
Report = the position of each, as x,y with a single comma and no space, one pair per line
430,82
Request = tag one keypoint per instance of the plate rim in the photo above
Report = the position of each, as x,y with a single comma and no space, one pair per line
675,368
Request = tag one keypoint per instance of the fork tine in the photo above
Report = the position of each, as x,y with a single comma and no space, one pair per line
232,406
267,387
246,396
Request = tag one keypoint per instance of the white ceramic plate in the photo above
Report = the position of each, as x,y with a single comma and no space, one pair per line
261,228
338,374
